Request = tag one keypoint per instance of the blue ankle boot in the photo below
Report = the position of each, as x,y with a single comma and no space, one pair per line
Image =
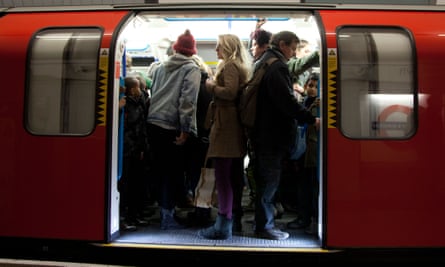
222,229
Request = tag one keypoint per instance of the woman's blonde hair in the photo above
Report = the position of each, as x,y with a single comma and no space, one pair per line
232,49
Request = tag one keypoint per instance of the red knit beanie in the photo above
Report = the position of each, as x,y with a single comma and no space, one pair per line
185,44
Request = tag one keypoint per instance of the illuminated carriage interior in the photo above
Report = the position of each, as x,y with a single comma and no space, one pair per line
147,38
382,77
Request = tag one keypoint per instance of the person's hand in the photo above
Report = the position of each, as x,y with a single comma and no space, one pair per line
180,140
317,102
298,88
317,123
210,85
122,102
260,22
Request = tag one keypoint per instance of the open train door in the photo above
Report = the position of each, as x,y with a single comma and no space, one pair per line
58,132
383,179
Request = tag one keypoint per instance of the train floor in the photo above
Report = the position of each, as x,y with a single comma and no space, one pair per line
153,235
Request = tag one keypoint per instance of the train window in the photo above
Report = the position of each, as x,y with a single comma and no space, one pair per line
377,83
62,81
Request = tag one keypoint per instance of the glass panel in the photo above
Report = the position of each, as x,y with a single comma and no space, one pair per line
376,82
61,93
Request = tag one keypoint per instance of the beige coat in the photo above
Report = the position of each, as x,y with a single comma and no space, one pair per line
227,139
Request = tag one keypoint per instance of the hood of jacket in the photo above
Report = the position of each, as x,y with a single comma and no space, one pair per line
176,61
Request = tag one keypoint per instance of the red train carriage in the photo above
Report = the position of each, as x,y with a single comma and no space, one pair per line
382,180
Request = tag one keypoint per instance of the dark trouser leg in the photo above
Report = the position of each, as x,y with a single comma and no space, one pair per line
267,175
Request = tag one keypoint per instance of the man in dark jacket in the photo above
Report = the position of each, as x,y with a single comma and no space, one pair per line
274,130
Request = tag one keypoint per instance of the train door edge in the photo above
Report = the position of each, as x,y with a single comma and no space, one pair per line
117,66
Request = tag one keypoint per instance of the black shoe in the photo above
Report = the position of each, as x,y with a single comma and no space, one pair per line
298,224
148,213
128,227
187,202
169,223
200,217
272,234
141,222
279,210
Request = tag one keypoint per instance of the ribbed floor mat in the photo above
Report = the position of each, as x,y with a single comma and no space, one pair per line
153,235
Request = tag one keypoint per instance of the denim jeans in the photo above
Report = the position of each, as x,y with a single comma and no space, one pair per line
267,174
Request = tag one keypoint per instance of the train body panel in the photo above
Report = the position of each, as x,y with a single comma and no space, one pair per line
381,141
54,187
382,192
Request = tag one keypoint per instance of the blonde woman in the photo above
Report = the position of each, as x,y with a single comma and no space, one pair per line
227,143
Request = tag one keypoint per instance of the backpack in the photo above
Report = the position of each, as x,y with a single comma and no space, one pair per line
248,96
299,147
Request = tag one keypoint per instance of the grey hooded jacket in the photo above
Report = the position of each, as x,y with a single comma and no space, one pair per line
174,94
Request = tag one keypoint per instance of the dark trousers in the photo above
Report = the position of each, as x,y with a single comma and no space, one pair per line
132,188
308,194
167,166
268,168
194,158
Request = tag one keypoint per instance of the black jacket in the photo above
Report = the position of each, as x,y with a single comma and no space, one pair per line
277,108
135,126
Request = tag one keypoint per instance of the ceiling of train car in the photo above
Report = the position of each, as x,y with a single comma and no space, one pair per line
148,28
